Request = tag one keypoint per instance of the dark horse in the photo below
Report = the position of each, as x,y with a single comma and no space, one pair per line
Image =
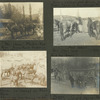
70,29
75,28
57,23
81,82
93,28
29,27
14,28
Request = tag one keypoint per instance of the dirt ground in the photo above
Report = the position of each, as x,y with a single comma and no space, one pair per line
28,83
76,39
31,36
59,87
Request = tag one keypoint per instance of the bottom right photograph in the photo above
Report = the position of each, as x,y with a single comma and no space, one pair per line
75,75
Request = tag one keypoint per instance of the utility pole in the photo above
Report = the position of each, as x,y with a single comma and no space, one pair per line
10,10
23,13
30,9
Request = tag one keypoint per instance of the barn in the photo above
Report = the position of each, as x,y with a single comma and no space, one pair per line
3,23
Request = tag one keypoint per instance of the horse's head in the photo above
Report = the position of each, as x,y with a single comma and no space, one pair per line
89,20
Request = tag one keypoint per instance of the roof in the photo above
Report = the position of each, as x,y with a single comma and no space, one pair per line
6,21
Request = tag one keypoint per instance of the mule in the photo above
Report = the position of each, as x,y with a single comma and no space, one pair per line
29,27
14,28
93,28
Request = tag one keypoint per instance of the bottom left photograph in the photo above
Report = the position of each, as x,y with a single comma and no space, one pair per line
23,69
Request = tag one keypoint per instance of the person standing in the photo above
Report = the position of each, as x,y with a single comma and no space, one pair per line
71,80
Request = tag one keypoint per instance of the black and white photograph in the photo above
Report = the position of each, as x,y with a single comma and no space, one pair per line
21,21
76,26
75,75
23,69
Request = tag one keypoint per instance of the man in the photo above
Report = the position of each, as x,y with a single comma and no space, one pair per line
55,73
61,31
71,80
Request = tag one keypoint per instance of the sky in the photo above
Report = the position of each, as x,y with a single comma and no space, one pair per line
95,59
83,12
28,57
36,6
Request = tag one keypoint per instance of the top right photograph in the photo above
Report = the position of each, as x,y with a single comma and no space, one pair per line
76,26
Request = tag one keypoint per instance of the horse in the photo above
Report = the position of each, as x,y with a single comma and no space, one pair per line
41,78
29,27
55,73
70,27
80,81
5,73
76,26
90,81
14,28
57,23
14,78
93,28
29,74
61,31
65,27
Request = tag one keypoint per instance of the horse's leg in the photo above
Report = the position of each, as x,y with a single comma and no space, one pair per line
32,80
21,33
16,82
71,33
33,31
25,31
95,32
12,35
11,82
28,32
98,32
16,34
58,28
24,79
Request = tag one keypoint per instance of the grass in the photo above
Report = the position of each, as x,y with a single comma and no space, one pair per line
31,36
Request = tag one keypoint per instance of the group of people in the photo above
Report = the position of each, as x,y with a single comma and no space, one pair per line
79,80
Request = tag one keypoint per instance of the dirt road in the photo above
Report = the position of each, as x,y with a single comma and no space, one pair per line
76,39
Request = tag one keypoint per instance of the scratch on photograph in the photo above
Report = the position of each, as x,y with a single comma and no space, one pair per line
75,75
23,69
21,21
76,26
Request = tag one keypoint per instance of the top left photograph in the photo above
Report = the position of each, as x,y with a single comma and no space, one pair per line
21,21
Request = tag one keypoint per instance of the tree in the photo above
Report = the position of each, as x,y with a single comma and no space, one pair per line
7,11
23,13
11,12
1,12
